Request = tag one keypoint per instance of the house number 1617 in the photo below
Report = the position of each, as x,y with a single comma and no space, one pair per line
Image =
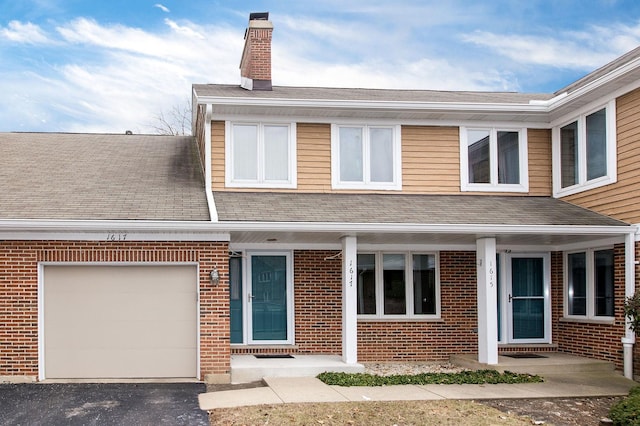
116,236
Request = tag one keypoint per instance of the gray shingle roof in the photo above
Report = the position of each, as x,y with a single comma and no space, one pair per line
100,176
399,208
350,94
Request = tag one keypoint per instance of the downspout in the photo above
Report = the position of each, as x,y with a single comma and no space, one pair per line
630,287
213,212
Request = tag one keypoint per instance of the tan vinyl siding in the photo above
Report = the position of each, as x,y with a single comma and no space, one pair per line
314,157
620,199
430,160
539,142
217,155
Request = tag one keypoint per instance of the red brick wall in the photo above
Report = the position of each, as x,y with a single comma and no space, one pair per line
427,340
599,341
19,293
318,301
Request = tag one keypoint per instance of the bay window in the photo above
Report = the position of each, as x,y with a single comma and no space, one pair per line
584,151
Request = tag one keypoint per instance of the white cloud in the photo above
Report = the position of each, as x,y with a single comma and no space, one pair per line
582,50
162,7
27,33
131,76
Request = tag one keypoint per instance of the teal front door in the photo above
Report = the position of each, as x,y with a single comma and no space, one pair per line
528,298
268,298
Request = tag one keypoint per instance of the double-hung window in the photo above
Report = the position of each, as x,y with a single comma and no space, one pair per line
366,157
398,285
584,151
260,155
493,159
589,286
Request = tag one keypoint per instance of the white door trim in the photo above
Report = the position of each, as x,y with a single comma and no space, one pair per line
507,311
246,298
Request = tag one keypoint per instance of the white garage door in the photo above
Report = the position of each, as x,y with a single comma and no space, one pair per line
120,321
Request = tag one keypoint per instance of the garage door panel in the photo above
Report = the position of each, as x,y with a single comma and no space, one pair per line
120,321
123,364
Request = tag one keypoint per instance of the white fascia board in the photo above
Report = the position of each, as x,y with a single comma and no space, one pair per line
350,228
357,104
115,230
565,97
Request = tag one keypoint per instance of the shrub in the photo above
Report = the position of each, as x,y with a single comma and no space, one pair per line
627,411
464,377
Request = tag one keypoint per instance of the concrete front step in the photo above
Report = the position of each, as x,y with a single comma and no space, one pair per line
248,368
550,363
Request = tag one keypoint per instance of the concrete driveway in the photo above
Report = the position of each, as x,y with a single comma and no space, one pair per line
102,404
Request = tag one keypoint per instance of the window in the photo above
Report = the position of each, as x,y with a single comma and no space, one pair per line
392,285
260,155
366,157
584,151
590,284
493,160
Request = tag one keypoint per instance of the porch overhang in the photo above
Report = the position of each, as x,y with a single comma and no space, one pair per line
446,236
456,221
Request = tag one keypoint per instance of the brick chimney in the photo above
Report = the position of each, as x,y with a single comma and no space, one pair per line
255,65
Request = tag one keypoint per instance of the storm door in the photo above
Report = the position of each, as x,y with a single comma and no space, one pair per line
268,298
527,299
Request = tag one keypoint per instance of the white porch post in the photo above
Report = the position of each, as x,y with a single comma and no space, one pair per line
349,300
487,301
630,287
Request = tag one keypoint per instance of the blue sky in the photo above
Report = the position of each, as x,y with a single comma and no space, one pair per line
111,66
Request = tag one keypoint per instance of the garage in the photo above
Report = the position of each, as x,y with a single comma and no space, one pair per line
125,321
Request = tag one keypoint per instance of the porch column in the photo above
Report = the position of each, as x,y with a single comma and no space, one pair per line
487,301
349,300
629,338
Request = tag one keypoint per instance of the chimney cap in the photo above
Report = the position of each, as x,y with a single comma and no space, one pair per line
259,16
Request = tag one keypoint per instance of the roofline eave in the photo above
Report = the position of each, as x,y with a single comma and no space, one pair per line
489,229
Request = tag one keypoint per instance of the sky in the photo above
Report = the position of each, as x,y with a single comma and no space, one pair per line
112,66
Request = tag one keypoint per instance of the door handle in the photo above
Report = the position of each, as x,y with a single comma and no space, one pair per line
510,298
250,297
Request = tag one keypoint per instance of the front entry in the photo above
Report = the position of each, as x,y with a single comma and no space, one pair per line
526,297
264,315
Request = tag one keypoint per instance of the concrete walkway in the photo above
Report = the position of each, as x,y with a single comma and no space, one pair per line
281,390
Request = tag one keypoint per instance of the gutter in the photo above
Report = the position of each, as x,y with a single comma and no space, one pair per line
379,105
204,226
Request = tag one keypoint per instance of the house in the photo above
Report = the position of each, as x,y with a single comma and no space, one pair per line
373,225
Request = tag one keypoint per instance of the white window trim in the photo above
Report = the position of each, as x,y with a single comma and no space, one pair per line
230,182
583,184
336,183
494,186
591,291
408,270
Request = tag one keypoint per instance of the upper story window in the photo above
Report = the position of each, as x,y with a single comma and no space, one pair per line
584,151
493,159
398,285
260,155
366,157
589,278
